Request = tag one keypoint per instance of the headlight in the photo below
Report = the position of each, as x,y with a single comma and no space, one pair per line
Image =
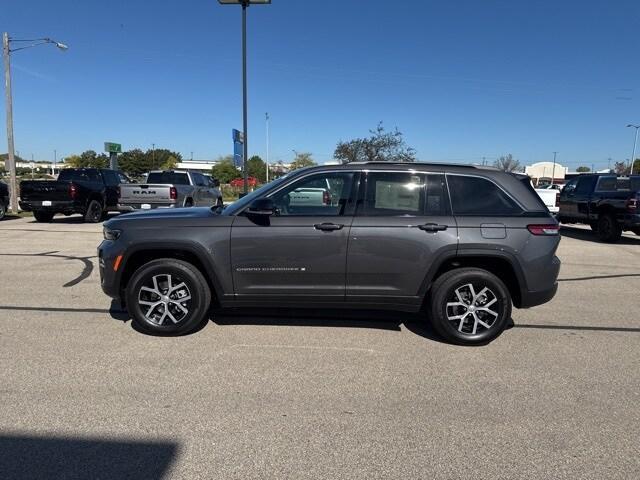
111,234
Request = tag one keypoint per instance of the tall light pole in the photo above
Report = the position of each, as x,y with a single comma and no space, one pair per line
245,4
635,142
153,155
267,120
7,51
553,173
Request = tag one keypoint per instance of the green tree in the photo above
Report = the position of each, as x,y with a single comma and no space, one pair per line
583,169
224,170
256,167
159,157
134,163
88,159
507,163
73,161
381,146
302,160
624,168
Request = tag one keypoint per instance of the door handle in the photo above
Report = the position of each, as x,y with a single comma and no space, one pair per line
328,227
433,227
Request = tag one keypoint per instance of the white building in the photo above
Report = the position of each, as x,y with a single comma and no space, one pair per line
546,172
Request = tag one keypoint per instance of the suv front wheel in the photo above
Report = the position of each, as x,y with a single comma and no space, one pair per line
168,297
469,306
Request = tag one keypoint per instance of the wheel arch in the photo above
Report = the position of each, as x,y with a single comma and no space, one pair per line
187,252
501,264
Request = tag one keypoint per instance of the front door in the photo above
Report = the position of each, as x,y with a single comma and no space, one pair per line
402,225
301,250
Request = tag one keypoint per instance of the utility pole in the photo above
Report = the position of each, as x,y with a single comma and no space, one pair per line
11,159
267,119
55,161
609,164
245,144
635,142
553,174
153,155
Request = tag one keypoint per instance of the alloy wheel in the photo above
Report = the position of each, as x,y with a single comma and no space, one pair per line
164,298
472,313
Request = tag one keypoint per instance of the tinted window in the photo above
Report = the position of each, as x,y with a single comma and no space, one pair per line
110,178
80,175
172,178
325,194
479,196
123,178
199,180
585,185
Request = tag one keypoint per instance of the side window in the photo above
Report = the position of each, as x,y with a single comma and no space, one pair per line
570,187
395,194
198,180
110,178
585,185
324,194
479,196
122,178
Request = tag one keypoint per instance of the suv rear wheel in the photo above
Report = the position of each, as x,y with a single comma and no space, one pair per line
94,212
470,306
168,297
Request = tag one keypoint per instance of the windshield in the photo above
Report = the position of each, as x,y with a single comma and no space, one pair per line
172,178
79,175
244,201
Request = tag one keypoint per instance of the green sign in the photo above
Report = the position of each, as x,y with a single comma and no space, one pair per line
112,147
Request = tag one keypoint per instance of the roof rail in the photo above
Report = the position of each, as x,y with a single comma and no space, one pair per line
439,164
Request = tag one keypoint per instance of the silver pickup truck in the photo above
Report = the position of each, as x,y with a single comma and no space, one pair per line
170,189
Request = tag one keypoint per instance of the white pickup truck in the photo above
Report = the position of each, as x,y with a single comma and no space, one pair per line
551,198
170,189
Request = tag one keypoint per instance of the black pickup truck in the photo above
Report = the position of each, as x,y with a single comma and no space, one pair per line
609,203
92,192
4,199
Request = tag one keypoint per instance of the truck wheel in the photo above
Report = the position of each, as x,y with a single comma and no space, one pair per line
594,226
94,212
3,211
168,297
220,202
609,230
42,217
469,306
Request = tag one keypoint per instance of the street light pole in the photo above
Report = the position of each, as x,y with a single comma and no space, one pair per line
635,142
553,173
6,52
11,159
267,118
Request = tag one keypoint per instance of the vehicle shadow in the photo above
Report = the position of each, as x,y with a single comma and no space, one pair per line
29,457
72,219
589,235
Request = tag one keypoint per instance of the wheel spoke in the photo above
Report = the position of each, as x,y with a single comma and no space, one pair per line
488,310
155,284
475,324
152,308
487,305
182,309
462,322
177,287
455,304
168,314
169,289
485,325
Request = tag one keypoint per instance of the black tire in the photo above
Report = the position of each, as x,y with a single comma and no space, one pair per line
609,230
3,210
188,203
469,328
637,231
155,320
594,226
220,202
43,217
94,212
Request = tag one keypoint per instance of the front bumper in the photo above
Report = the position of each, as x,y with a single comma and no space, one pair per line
109,276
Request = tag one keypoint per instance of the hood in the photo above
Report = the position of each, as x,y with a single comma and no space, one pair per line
163,214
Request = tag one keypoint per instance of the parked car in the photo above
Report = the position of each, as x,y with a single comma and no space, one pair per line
91,192
462,243
252,182
608,203
4,199
551,198
170,189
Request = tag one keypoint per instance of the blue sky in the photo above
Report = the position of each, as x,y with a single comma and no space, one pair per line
462,79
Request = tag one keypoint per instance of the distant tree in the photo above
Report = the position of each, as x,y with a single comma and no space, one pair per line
256,167
224,170
381,146
169,163
5,156
507,163
88,159
302,160
134,163
624,168
583,169
74,161
159,157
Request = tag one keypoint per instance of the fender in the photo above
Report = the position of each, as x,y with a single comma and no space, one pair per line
193,248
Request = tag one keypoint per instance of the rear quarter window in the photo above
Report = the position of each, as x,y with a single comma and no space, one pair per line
479,196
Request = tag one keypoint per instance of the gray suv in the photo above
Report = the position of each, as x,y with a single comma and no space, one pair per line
460,243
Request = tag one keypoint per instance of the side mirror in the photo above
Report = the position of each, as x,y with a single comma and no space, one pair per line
262,207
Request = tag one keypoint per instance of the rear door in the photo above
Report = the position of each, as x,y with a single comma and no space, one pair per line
584,191
111,181
403,223
568,208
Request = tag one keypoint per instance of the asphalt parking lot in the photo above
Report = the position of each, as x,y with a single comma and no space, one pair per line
83,395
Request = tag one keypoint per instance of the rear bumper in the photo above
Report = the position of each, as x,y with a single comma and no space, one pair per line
531,298
57,206
132,207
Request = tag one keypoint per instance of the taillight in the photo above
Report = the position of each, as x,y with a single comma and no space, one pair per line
173,193
544,229
632,205
326,198
557,199
73,191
